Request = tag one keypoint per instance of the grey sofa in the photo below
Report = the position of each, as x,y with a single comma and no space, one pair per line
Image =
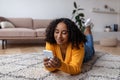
25,28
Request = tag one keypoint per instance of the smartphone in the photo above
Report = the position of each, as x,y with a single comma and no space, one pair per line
48,53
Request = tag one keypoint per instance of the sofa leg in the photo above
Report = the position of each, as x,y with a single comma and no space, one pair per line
2,44
6,44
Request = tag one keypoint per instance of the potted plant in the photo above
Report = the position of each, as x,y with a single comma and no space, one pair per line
78,16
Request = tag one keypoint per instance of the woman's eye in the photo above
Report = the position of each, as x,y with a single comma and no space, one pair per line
64,32
61,32
56,32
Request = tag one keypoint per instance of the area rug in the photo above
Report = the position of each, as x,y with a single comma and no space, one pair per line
103,66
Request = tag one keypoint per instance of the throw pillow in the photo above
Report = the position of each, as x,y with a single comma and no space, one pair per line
6,24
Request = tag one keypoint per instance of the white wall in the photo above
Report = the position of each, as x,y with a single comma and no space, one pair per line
36,8
50,9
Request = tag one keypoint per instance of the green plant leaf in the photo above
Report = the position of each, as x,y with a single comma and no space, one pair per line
81,14
82,18
73,11
80,24
78,16
80,9
75,5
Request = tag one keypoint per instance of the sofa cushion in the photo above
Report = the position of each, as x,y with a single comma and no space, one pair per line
12,32
22,22
41,23
6,24
40,32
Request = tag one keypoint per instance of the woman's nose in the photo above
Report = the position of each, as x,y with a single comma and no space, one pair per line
59,35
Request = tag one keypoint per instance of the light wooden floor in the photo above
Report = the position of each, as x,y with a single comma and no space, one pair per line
111,50
37,48
22,48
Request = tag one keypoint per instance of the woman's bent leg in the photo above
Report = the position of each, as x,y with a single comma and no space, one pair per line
89,45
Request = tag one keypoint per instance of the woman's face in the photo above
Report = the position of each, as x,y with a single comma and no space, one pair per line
61,33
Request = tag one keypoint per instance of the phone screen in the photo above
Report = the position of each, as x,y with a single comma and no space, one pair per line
48,53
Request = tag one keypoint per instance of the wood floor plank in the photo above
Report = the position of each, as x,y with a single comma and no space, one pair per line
30,48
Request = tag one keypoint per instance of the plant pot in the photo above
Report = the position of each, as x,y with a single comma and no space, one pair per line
107,29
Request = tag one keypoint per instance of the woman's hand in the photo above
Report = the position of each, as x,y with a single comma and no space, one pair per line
52,62
46,62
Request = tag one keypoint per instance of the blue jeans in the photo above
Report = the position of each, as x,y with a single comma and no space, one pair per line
89,48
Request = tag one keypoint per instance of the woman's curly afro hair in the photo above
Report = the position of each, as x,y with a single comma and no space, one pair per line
75,36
